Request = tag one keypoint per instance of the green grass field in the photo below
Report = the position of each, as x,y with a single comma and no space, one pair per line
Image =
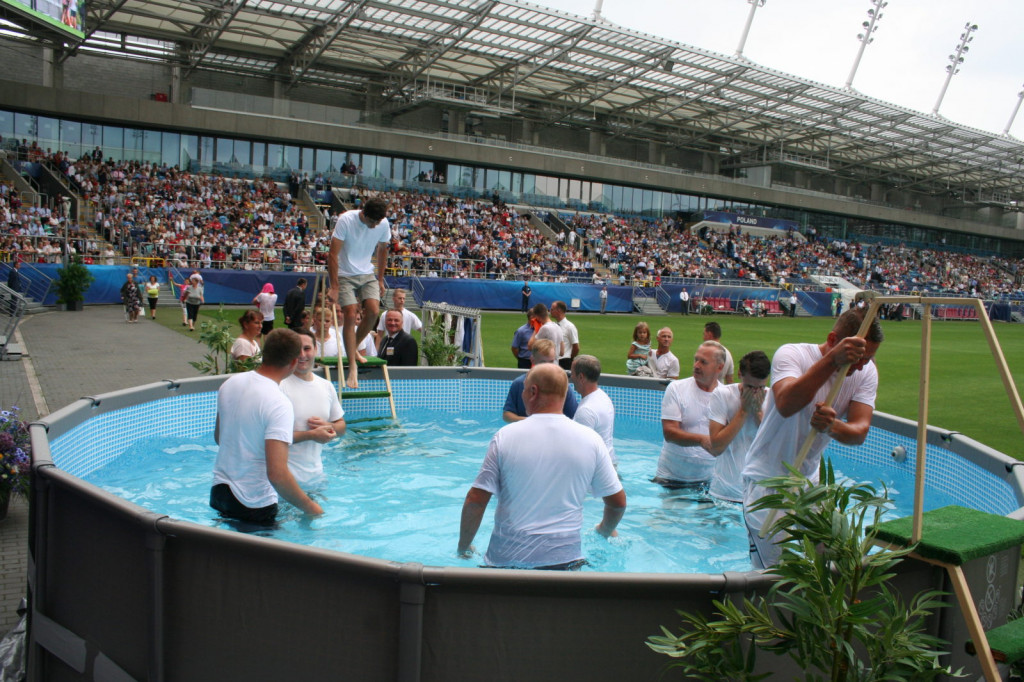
966,394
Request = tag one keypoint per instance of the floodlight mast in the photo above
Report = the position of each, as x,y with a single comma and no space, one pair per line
1020,98
866,37
597,11
955,60
754,4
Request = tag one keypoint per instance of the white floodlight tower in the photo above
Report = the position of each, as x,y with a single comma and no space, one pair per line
1020,98
597,11
955,60
754,4
866,38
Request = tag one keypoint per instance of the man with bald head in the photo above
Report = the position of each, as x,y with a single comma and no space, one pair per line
541,468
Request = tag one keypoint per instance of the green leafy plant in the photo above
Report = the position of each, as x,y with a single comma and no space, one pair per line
437,347
219,336
831,611
15,456
71,283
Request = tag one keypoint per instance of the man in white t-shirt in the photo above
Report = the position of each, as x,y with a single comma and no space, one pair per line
802,376
684,301
319,418
570,337
544,328
662,361
541,469
685,460
359,235
733,417
595,409
253,429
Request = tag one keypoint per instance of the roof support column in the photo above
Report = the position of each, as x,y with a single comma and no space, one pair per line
53,70
596,144
281,102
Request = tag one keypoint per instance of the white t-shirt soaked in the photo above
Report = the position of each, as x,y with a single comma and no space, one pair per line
779,438
541,470
727,482
686,403
252,409
356,257
597,412
316,398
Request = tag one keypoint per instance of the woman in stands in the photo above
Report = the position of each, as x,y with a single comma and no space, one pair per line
152,294
245,345
639,351
266,300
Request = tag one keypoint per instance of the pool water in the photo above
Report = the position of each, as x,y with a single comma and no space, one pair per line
395,492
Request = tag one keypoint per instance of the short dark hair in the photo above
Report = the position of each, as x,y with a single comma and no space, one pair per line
588,367
558,305
539,310
375,209
302,280
305,331
281,347
849,324
714,328
756,364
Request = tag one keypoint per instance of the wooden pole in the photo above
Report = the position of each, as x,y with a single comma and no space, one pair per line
922,423
337,335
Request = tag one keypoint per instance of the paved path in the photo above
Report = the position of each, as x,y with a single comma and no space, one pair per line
68,355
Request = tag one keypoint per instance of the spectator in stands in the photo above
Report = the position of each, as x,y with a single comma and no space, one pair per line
713,332
639,352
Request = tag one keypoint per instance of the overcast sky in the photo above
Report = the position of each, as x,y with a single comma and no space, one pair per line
817,40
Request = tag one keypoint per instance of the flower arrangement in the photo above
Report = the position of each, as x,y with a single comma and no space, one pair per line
15,452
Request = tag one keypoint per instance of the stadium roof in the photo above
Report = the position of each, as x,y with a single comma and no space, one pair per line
514,59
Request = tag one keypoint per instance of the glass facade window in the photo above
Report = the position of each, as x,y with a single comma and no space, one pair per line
71,138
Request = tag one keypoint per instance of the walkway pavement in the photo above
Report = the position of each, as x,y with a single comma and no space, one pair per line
68,355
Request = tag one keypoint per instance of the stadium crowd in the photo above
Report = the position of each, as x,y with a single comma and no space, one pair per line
141,210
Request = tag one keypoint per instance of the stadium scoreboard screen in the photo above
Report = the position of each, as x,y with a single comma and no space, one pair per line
67,16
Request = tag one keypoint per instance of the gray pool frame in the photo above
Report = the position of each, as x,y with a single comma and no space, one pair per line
121,593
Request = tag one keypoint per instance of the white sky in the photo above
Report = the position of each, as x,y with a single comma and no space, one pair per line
817,40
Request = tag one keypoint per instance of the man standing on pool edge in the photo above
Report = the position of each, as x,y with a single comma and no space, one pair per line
802,376
541,469
253,429
358,235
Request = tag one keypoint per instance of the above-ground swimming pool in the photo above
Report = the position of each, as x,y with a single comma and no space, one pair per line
163,593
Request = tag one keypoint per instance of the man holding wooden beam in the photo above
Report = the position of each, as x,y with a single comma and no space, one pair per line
802,376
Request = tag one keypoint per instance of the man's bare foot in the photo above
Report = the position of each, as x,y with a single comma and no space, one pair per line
360,358
353,377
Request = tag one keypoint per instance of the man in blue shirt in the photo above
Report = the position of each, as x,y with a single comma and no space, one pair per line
515,409
520,343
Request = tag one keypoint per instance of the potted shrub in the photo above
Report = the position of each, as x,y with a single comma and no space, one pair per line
831,611
71,284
